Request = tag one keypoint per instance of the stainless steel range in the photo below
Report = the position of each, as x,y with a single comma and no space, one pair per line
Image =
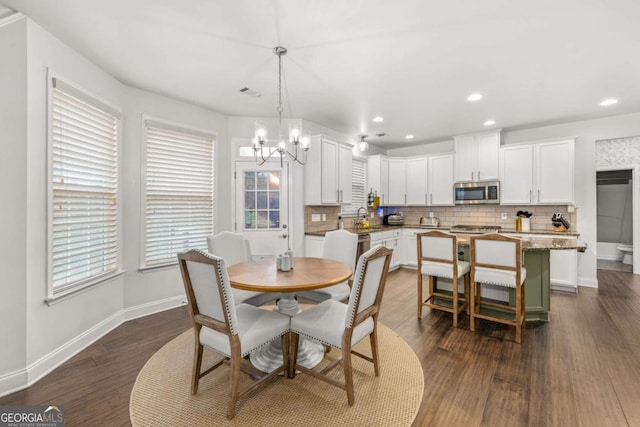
475,229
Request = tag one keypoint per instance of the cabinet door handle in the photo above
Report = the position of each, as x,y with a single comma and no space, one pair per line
529,195
405,199
472,175
426,200
538,195
337,196
431,201
341,197
478,175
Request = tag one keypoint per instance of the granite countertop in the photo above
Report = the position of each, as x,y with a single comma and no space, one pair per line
531,241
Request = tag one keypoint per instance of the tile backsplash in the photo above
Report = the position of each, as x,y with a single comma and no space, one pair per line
448,215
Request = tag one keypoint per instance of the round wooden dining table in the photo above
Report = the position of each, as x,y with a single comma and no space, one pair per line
306,274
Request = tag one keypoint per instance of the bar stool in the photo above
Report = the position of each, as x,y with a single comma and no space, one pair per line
438,257
497,260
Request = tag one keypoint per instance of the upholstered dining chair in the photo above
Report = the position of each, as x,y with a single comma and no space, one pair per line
230,329
438,257
235,248
342,246
497,260
341,325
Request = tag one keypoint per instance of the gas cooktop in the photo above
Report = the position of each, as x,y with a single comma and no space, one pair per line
475,228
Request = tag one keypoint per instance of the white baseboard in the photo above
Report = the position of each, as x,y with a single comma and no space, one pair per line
13,381
57,357
587,283
23,378
563,288
153,307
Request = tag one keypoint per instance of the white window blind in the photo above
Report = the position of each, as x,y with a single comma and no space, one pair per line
178,192
358,187
83,216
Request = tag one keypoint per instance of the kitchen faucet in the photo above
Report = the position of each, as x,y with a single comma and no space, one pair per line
360,219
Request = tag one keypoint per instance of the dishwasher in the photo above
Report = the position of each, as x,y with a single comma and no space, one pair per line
364,244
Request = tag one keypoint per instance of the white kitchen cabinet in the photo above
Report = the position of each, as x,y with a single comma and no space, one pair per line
564,270
397,182
477,156
410,245
390,239
378,176
553,172
328,172
516,175
440,180
416,181
540,173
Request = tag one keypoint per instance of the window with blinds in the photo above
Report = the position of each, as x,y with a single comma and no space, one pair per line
358,187
178,192
83,214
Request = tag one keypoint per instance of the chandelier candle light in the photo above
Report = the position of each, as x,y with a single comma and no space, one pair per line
296,136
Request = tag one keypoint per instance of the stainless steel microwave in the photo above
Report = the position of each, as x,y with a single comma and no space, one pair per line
481,192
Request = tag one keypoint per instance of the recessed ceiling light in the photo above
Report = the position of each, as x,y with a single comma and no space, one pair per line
490,123
474,97
378,119
409,136
608,101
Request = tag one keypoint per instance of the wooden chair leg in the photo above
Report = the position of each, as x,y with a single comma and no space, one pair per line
348,373
197,364
466,292
519,314
234,379
472,300
285,353
455,302
293,353
373,337
420,300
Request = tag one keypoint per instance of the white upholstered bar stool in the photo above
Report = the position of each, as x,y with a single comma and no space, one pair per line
235,248
438,257
497,260
342,246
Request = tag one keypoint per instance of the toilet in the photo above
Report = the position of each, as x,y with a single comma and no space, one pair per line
627,253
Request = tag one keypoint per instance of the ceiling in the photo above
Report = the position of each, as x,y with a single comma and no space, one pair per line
414,62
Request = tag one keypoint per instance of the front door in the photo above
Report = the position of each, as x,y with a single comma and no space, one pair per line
261,206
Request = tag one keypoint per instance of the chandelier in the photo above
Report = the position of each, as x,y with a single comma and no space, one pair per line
298,141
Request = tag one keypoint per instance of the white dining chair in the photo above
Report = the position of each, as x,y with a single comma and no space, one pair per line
230,329
497,260
235,248
438,257
341,325
342,246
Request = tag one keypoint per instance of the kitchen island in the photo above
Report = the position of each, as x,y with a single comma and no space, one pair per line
537,247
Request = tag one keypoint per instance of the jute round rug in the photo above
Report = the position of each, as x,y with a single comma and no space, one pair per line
161,395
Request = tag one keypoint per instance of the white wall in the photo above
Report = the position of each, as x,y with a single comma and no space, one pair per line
50,327
13,162
160,284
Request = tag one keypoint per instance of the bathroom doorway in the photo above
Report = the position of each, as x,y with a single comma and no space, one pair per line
615,210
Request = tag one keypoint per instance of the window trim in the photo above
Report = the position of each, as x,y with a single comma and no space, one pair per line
353,206
56,80
153,121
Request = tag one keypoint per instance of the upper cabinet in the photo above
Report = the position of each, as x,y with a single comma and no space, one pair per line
477,156
378,176
540,173
397,182
553,172
441,180
328,172
420,181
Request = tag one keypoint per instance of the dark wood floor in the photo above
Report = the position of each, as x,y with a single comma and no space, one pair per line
582,369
